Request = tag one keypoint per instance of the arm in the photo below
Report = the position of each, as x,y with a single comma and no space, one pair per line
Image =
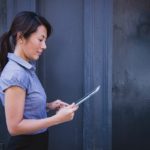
14,107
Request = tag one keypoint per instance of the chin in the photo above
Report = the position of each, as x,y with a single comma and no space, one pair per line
36,58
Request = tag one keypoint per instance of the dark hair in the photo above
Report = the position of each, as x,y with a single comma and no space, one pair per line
26,23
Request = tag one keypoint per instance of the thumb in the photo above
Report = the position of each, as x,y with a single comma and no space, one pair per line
71,105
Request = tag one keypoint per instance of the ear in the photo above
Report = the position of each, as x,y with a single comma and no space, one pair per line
20,38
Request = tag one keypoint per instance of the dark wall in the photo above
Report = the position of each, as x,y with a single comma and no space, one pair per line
131,75
3,130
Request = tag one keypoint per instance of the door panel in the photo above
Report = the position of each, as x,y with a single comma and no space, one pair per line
61,67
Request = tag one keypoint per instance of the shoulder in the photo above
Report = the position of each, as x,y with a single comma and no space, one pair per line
13,66
14,70
14,75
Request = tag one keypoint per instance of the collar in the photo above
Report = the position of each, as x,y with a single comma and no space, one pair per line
20,61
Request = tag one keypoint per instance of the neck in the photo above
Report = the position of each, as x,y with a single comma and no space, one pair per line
19,52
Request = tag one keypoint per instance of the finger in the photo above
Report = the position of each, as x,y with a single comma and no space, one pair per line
62,103
73,104
74,109
70,106
72,116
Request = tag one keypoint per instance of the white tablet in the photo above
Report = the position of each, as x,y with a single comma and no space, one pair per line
87,96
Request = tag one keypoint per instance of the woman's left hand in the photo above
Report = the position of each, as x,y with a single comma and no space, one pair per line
57,104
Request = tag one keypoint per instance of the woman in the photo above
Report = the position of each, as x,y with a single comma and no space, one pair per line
24,98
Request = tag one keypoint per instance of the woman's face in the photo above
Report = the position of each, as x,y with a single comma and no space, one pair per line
33,46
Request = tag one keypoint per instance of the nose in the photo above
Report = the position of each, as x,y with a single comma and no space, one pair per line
44,45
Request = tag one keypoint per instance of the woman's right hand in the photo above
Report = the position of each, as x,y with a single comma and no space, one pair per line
66,113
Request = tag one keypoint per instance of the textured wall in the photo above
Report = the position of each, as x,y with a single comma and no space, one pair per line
131,75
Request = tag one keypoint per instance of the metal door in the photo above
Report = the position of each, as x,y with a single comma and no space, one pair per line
61,67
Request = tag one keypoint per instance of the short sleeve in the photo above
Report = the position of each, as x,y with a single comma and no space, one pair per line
14,78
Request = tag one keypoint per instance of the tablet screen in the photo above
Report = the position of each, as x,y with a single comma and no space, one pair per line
87,96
